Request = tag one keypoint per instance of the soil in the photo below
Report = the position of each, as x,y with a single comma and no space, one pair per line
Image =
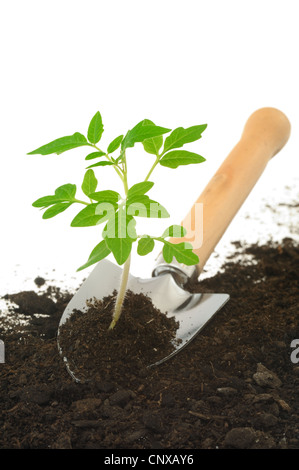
234,386
142,336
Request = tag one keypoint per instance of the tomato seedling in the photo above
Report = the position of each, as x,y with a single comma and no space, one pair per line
119,212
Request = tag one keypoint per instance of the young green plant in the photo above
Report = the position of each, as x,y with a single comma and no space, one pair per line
119,212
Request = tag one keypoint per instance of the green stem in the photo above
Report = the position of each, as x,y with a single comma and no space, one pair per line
125,173
81,202
126,269
121,293
118,171
153,167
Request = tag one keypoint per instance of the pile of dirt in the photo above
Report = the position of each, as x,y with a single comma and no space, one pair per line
234,386
142,336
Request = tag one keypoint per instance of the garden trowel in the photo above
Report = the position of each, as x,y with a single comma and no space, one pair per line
265,133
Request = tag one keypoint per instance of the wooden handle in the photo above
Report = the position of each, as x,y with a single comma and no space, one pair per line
265,133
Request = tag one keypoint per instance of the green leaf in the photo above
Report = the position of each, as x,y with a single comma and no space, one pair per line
121,248
140,188
106,196
61,145
47,201
176,158
105,163
145,245
183,252
119,234
66,192
90,183
93,155
114,145
99,252
95,129
90,216
174,231
56,209
119,159
143,206
143,130
153,144
181,136
167,253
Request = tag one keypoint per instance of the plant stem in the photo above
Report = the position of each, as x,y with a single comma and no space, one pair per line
126,269
82,202
153,167
125,172
114,166
125,274
121,293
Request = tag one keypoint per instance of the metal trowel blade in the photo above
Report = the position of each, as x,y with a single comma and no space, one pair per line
191,311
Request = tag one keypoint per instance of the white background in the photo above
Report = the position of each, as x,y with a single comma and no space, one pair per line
176,63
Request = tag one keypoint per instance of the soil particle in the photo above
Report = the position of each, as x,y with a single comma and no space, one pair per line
266,420
240,438
266,378
63,442
36,394
248,438
153,422
30,303
39,281
227,391
86,408
121,397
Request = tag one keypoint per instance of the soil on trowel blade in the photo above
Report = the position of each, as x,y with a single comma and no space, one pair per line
234,386
142,336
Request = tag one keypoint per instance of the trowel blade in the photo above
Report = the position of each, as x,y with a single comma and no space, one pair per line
191,311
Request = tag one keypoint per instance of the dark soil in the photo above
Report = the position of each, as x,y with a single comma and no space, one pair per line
142,336
234,386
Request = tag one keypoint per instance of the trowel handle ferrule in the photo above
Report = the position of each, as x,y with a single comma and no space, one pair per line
265,133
